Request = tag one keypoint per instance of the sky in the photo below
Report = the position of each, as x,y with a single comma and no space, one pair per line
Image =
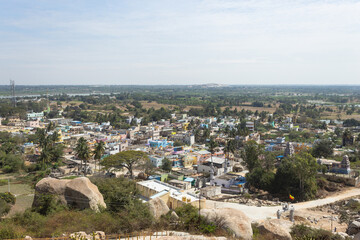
136,42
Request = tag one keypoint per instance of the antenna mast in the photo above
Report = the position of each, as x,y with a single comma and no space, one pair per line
12,85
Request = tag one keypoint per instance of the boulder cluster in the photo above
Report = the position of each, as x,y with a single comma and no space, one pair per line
79,193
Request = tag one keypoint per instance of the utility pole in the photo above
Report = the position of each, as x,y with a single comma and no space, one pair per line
199,207
12,85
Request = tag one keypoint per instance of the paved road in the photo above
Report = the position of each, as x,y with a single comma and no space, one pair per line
258,213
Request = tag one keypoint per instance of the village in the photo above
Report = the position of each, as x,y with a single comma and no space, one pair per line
201,161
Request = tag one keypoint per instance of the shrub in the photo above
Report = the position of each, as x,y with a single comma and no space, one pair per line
302,232
3,182
4,208
47,204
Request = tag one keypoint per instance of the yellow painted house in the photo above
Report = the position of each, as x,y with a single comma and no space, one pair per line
174,197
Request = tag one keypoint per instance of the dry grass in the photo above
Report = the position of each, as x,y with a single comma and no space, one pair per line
343,116
24,197
156,105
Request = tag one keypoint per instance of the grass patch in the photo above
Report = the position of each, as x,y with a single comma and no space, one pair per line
17,189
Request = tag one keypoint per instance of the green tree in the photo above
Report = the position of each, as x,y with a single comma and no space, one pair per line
261,178
251,155
126,159
166,165
347,137
98,151
323,148
82,151
212,148
229,148
297,176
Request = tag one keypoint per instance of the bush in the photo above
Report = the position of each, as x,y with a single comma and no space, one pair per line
9,232
47,204
3,182
302,232
4,208
8,197
189,220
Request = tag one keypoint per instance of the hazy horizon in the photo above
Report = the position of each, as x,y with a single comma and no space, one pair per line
186,42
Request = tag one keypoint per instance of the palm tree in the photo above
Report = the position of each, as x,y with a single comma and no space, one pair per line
212,147
82,151
99,151
229,148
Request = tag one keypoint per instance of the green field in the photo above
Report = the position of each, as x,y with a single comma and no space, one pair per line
24,196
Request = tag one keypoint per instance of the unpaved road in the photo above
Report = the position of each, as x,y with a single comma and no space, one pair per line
259,213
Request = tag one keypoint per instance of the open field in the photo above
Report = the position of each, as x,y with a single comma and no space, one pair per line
156,105
343,116
24,196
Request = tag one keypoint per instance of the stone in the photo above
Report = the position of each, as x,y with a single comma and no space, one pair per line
100,235
174,216
233,219
172,235
353,228
79,192
354,201
344,235
158,207
80,236
275,229
27,238
51,186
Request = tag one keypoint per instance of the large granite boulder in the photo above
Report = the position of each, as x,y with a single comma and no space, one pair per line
234,220
79,192
51,186
275,229
158,207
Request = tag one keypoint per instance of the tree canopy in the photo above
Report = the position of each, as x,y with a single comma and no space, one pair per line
125,159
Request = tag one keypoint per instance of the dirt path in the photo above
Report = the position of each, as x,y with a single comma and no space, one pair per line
259,213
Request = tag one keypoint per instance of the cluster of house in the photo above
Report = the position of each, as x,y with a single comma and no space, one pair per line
193,165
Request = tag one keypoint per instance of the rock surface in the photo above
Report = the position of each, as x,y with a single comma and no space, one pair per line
173,235
275,229
98,235
79,192
353,201
344,235
158,207
357,236
353,228
233,219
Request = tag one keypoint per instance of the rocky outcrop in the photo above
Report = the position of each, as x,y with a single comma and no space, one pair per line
234,220
353,201
79,192
173,235
158,207
354,227
345,236
275,229
98,235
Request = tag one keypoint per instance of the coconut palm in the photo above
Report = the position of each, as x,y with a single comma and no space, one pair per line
98,151
212,147
229,148
82,151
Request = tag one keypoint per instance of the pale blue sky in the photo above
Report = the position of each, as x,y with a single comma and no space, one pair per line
179,42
